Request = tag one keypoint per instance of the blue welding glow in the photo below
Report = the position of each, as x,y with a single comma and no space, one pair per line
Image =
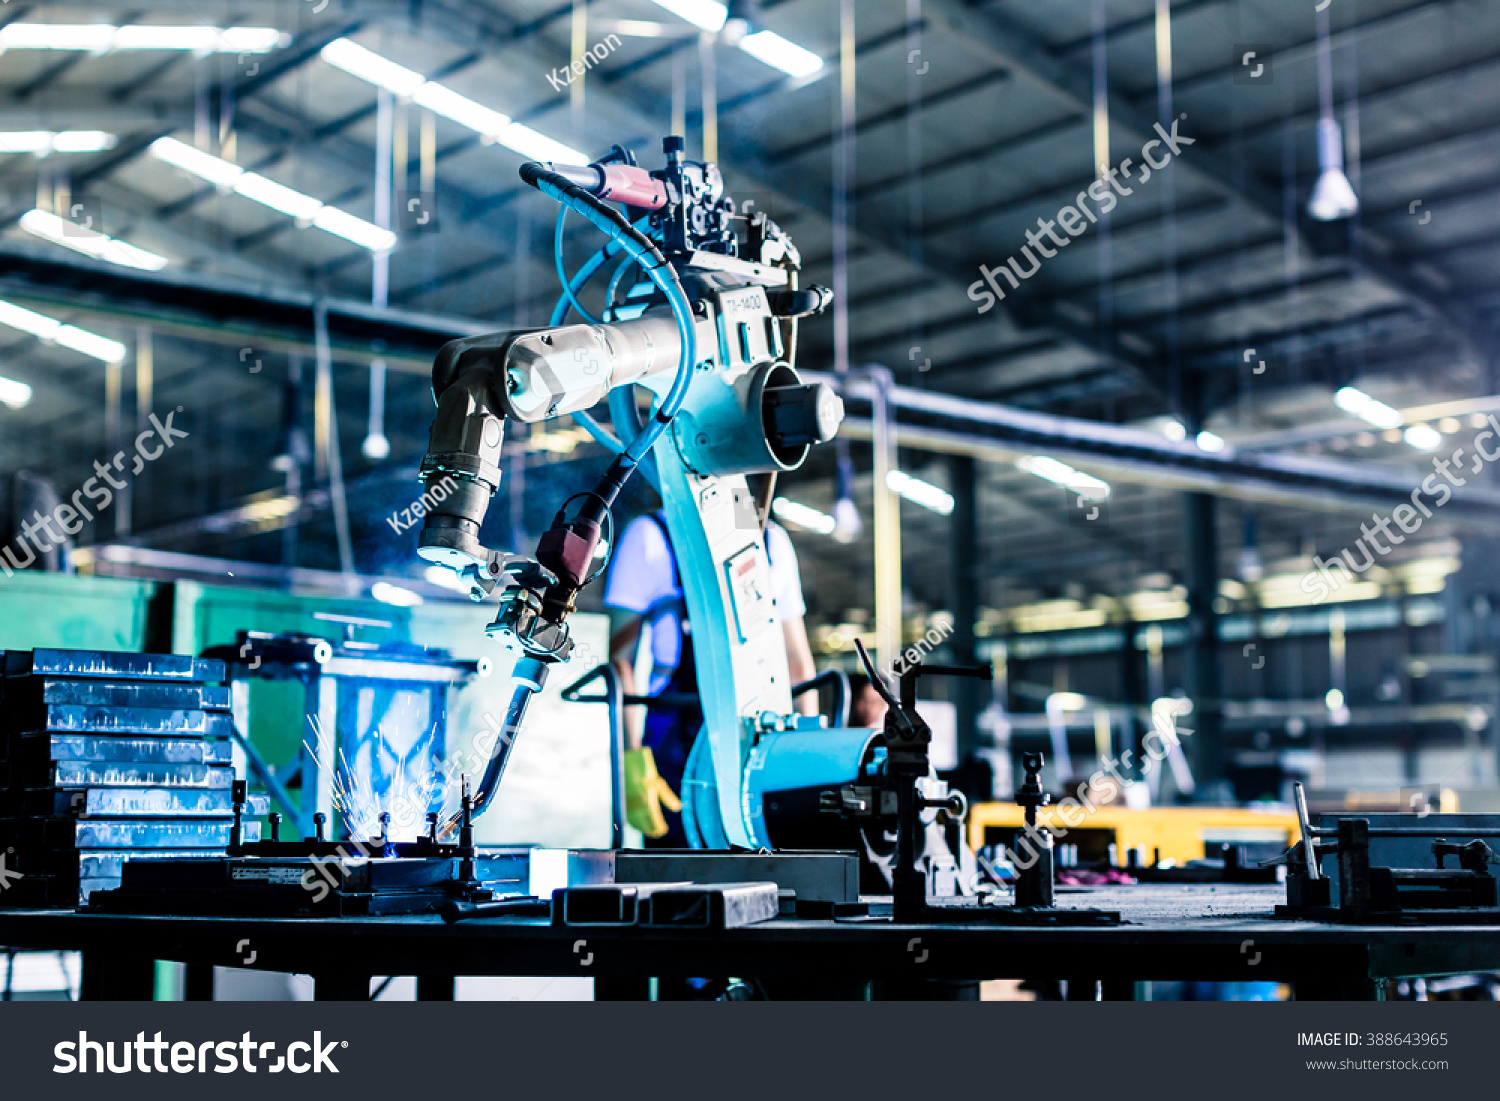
389,769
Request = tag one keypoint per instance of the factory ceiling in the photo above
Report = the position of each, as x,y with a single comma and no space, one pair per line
1201,296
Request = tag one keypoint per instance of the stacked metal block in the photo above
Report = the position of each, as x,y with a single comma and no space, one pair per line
109,757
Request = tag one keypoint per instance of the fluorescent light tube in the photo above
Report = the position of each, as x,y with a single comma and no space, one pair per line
355,60
278,197
919,492
710,15
331,219
804,516
461,109
269,193
101,37
42,223
779,53
490,124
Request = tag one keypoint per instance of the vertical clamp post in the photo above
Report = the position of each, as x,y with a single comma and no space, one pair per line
1033,879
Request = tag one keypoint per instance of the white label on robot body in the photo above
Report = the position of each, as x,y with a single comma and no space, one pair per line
743,302
750,591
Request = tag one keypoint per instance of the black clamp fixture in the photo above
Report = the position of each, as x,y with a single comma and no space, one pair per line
1033,867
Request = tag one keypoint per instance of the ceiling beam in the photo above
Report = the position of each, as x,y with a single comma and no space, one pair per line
1007,43
1305,49
745,158
891,115
284,63
227,311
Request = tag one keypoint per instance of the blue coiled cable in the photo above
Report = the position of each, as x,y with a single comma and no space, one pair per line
655,266
601,435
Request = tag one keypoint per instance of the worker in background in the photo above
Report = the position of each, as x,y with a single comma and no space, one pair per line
645,590
867,707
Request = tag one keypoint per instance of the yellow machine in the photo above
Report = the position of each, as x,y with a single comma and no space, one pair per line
1178,834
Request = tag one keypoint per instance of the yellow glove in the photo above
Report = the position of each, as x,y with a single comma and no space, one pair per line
646,793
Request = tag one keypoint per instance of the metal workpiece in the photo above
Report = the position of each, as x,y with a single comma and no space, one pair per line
333,885
454,910
38,834
108,758
614,701
717,906
607,904
316,876
679,905
86,719
143,802
21,696
402,661
111,665
74,748
108,864
820,880
1310,857
280,655
120,773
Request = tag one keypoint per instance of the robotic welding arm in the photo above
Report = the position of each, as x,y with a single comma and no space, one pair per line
481,382
705,332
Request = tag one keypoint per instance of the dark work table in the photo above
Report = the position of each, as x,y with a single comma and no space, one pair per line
1171,932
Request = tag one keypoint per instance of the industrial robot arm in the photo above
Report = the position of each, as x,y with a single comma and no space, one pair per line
708,334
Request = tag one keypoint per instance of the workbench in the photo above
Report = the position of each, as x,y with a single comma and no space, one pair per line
1171,932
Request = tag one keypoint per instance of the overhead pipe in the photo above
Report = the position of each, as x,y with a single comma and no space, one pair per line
222,311
217,310
945,424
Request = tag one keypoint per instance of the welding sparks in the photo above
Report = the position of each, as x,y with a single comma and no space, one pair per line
353,791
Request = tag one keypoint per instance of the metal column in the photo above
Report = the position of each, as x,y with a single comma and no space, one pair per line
1204,687
965,598
887,524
